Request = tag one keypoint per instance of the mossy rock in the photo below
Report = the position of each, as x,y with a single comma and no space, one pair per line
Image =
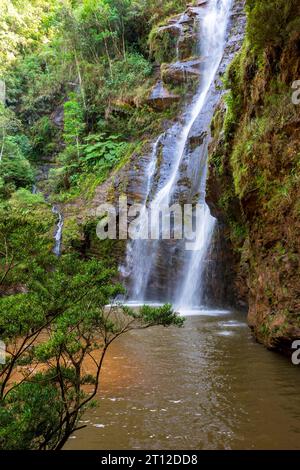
187,45
180,72
163,43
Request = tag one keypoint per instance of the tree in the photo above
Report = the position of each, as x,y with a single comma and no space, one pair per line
22,25
73,122
50,331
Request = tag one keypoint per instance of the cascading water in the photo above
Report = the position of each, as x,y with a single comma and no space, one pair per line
59,226
139,249
58,231
180,283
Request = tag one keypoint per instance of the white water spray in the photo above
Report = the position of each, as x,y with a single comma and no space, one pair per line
58,232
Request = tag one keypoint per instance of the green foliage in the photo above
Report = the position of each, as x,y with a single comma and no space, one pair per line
72,234
97,156
127,74
43,136
164,316
73,121
233,81
91,59
102,153
15,170
280,20
23,25
70,158
15,148
162,44
31,411
25,241
70,302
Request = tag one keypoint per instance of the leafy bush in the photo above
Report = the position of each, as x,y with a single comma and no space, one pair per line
279,20
15,170
102,153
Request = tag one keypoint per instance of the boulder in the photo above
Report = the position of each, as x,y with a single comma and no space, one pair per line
160,98
57,117
164,41
187,45
181,72
198,3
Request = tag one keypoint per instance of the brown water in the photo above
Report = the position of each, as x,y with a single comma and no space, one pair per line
205,386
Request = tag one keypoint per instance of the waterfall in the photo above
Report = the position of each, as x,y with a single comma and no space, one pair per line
58,231
59,225
183,284
139,250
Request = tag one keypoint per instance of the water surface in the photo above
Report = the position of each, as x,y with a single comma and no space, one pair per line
208,385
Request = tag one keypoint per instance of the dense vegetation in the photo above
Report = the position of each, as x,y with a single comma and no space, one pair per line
76,74
89,57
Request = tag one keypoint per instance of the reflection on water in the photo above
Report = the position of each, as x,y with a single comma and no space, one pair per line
206,386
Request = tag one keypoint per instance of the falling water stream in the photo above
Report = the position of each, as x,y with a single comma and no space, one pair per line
59,225
58,231
180,283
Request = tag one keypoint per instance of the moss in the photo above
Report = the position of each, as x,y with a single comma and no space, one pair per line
264,330
233,81
110,251
255,166
238,232
72,234
271,22
163,42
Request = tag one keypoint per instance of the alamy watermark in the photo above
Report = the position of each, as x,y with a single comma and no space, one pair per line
138,222
296,94
296,353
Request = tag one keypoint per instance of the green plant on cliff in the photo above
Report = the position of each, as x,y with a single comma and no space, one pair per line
26,224
255,167
15,169
53,317
271,23
162,43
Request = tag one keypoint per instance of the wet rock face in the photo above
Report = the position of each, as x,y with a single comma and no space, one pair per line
181,72
57,117
177,39
160,98
186,45
222,286
218,272
264,260
173,46
164,40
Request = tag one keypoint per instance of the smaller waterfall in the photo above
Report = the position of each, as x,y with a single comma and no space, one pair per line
192,288
60,220
136,260
180,28
58,231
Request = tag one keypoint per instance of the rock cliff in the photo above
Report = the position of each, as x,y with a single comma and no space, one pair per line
254,173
